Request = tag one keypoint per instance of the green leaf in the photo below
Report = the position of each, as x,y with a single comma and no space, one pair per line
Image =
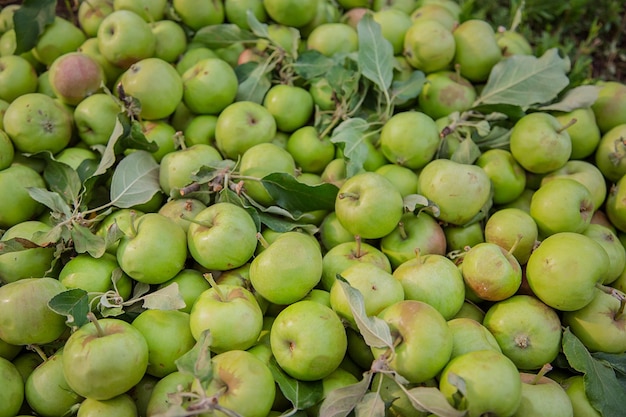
16,244
135,180
258,28
341,401
513,112
74,304
414,202
351,135
134,137
372,405
64,180
223,35
467,152
30,21
295,196
280,225
197,361
432,400
524,80
374,330
375,53
254,85
87,241
617,361
166,298
601,385
108,156
311,64
576,98
300,394
51,200
408,89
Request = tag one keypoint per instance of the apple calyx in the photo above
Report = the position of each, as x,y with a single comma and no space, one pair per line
99,330
347,194
618,154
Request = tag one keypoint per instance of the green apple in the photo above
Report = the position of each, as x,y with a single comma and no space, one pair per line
171,40
12,393
210,85
182,210
157,86
6,17
378,287
393,26
123,219
296,13
543,396
477,49
91,14
508,178
615,208
221,226
15,181
36,122
74,76
160,398
26,362
491,381
514,230
540,143
236,11
435,11
149,10
470,310
332,233
335,172
200,129
291,106
415,234
177,168
368,205
168,335
512,43
43,324
197,13
469,336
527,330
111,71
162,133
609,155
333,38
9,351
242,383
119,406
400,143
600,324
403,178
242,125
584,133
587,174
575,390
287,282
308,340
459,238
337,379
75,156
563,271
491,272
424,341
223,308
613,247
104,359
17,77
446,92
310,152
58,38
610,105
191,56
7,152
46,391
146,257
429,46
562,205
459,190
27,263
124,38
435,280
191,283
345,254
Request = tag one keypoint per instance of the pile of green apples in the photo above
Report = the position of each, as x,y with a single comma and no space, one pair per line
304,208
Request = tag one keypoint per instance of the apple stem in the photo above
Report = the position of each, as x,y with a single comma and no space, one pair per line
262,240
518,239
220,294
402,231
194,186
457,72
133,229
567,125
353,196
357,239
39,351
92,318
179,140
542,372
